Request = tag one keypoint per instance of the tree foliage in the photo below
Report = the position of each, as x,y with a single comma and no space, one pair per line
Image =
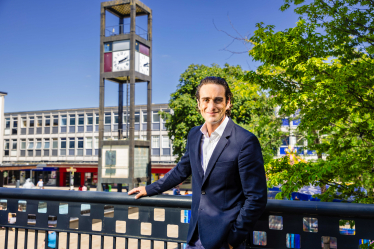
324,68
252,108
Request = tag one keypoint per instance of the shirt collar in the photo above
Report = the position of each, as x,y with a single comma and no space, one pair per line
220,129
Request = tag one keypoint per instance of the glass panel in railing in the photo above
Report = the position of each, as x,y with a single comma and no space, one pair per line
159,214
145,228
97,224
85,209
42,207
12,218
109,211
259,238
133,213
310,224
347,227
275,222
293,240
31,219
3,204
52,221
63,208
329,242
22,206
172,231
74,223
120,226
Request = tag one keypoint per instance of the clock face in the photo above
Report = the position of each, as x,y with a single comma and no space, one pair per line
144,64
121,61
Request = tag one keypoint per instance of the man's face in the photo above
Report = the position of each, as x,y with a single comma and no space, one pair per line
212,103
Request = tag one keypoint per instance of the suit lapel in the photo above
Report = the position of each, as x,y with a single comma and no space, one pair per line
221,145
196,150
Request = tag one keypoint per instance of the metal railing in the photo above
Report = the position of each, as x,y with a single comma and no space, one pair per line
26,214
125,29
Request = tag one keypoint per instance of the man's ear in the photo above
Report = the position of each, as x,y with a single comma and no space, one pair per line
198,103
228,104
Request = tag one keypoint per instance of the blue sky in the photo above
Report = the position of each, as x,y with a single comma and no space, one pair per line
50,54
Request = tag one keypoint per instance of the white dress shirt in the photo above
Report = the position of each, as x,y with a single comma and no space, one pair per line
208,144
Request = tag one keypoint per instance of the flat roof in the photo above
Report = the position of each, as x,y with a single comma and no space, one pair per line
3,93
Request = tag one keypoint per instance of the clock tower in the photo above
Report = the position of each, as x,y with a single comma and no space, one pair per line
125,58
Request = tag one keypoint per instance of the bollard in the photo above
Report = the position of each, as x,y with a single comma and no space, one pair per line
17,184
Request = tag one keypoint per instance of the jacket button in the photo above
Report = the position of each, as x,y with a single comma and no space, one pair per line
203,192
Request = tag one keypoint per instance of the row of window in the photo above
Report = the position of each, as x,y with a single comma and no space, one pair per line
74,119
286,122
72,143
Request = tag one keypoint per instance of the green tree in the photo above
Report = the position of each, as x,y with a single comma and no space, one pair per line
324,68
252,108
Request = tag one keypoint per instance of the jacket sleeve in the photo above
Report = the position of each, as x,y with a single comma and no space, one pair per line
175,176
253,180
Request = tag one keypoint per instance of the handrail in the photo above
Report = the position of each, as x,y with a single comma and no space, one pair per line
299,207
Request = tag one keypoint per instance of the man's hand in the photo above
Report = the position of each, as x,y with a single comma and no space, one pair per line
140,190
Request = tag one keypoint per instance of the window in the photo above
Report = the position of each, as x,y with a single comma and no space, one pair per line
81,119
156,117
80,142
63,120
115,118
55,120
137,117
38,143
46,143
7,123
54,143
89,118
285,141
72,143
72,119
63,143
144,117
108,118
23,144
165,142
47,121
155,141
96,142
125,118
31,144
23,122
88,142
15,122
39,121
97,118
14,144
31,121
6,144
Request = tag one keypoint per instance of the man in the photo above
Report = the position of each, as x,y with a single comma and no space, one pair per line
228,177
176,190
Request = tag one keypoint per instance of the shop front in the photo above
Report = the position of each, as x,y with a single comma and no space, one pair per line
49,175
81,175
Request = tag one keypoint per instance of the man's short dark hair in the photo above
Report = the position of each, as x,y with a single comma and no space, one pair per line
218,81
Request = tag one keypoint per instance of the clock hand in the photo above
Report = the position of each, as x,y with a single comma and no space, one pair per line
123,60
146,65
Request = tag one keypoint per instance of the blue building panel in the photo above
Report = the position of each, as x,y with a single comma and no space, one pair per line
285,122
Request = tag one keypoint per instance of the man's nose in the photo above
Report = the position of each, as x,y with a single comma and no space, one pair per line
211,105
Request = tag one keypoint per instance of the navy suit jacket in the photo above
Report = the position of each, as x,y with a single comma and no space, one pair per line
229,198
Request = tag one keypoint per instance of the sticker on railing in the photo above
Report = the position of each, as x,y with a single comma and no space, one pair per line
52,221
259,238
74,223
326,240
172,231
145,228
185,216
159,214
109,211
293,240
12,218
366,243
22,206
42,207
310,225
97,225
133,213
120,226
31,219
63,208
85,209
275,222
347,227
3,204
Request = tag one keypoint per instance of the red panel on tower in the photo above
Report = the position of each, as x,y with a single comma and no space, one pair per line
108,62
143,49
